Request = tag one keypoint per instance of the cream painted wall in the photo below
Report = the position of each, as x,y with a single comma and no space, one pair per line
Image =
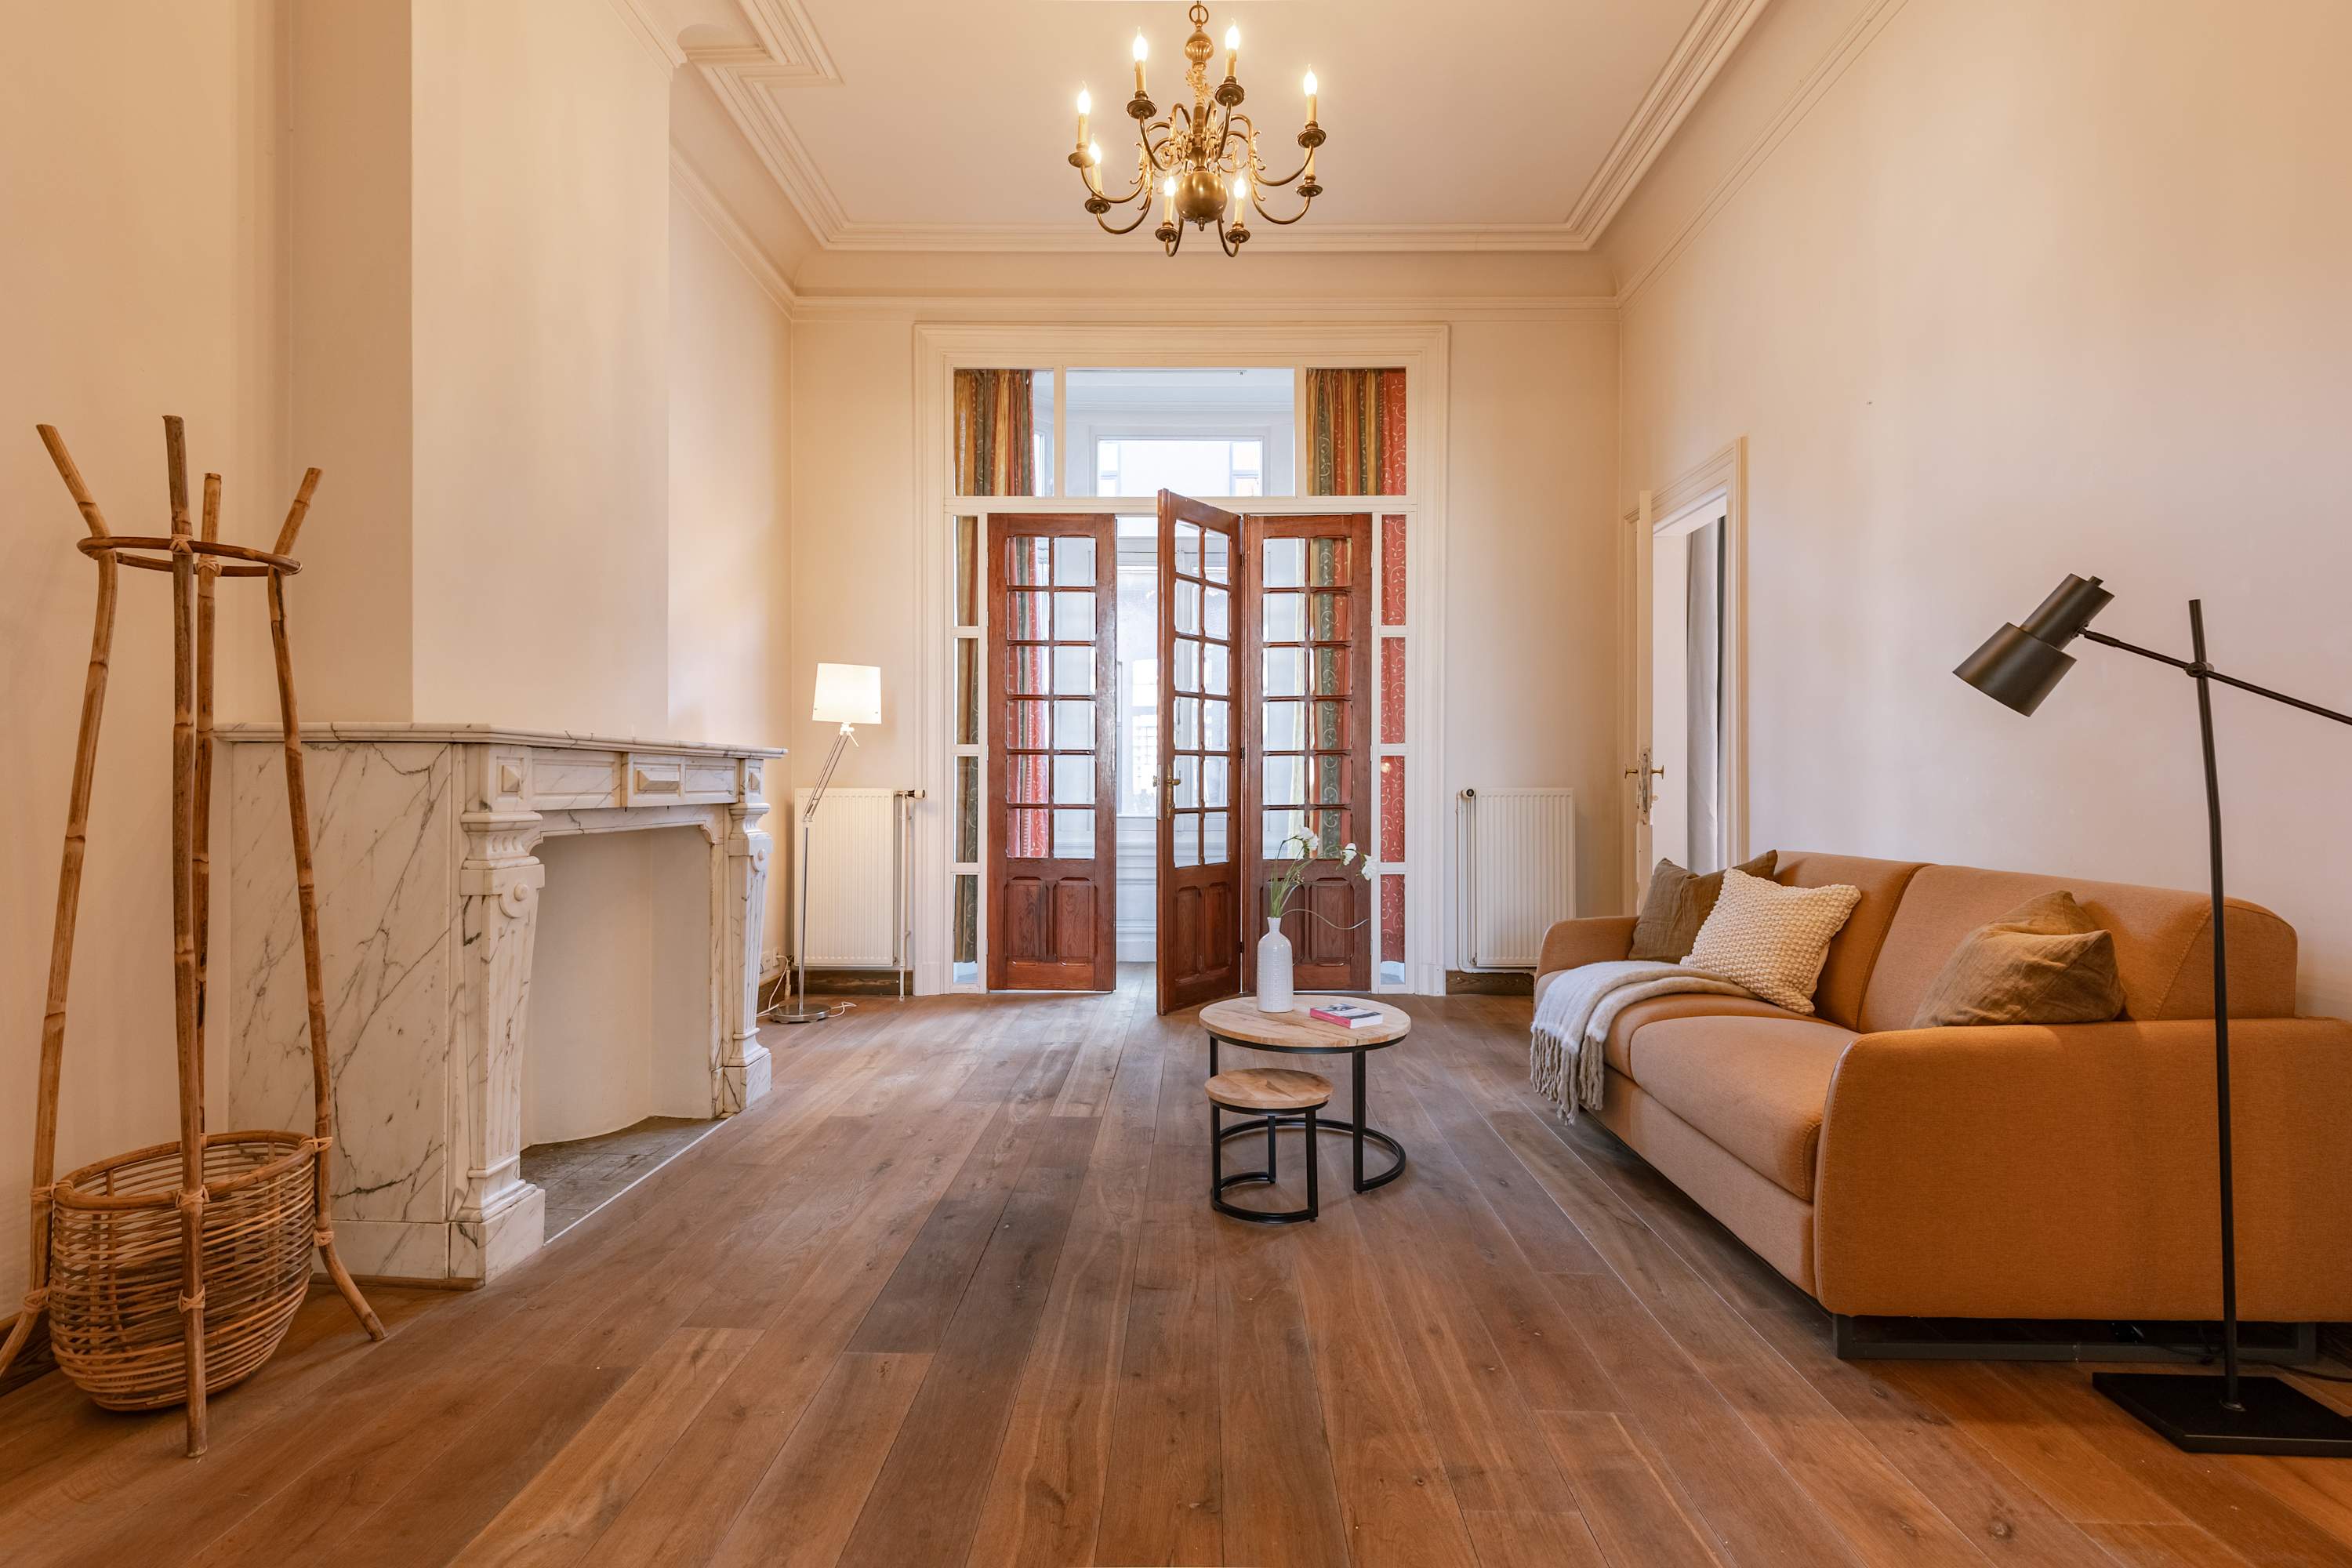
2030,289
730,473
143,208
1530,586
540,190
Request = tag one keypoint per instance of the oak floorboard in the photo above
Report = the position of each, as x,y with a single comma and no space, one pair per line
952,1294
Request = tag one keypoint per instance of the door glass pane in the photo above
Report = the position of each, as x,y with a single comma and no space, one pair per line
1029,560
1185,724
1217,550
1073,779
1214,829
1216,781
1286,616
1216,723
1184,780
1285,562
967,691
1187,840
1392,690
967,926
1330,830
1073,726
1074,671
1032,668
1027,619
1328,615
1216,670
1188,607
1074,562
1286,781
1279,826
1217,612
1187,548
1329,776
1073,616
1285,726
966,572
1392,809
1331,726
967,809
1024,723
1330,672
1074,835
1026,775
1326,563
1286,672
1187,673
1392,571
1025,834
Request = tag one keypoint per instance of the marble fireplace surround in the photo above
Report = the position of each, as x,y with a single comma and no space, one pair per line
428,900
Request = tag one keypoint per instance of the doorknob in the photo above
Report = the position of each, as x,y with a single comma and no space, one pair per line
1641,772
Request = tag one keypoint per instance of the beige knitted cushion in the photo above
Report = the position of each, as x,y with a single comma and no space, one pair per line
1771,939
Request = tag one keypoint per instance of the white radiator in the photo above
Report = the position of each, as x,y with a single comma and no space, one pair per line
1520,866
857,855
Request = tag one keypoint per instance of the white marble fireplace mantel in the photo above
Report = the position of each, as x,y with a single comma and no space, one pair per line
428,897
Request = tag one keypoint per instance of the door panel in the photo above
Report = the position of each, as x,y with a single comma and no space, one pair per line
1052,781
1308,677
1202,745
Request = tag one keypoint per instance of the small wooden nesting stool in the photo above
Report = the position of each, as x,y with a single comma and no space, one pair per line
1276,1094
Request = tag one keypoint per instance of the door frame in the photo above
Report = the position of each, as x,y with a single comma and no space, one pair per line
1720,482
1176,334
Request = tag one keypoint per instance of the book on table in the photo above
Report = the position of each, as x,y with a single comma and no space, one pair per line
1347,1014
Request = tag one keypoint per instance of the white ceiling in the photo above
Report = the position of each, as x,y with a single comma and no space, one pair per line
938,125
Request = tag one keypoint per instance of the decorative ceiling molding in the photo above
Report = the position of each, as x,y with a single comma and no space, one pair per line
705,203
1848,47
790,54
647,24
1255,313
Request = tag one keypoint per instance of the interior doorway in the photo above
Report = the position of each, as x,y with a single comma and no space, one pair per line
1687,764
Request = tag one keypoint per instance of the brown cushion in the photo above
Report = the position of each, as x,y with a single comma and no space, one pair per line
2046,962
1755,1086
1678,904
2164,945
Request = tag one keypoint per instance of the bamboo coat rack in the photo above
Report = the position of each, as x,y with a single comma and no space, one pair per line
173,1271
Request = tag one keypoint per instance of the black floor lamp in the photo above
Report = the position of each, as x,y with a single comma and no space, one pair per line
2020,666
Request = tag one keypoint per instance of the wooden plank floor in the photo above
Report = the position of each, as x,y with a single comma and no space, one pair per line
952,1295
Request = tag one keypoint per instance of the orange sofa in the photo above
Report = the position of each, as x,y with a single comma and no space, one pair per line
2064,1172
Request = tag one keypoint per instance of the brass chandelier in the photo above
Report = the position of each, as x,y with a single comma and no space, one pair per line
1202,155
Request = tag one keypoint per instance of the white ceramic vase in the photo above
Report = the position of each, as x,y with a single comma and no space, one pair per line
1274,969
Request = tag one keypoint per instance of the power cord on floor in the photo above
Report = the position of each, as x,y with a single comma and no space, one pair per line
2208,1354
775,994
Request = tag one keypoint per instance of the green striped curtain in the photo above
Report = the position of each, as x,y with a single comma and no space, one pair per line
1356,424
995,425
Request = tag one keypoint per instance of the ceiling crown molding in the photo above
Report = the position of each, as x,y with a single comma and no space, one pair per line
705,203
790,54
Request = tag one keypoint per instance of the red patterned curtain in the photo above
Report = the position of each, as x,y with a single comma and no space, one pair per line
995,421
1356,421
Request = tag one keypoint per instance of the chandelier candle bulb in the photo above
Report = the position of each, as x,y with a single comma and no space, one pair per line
1143,52
1233,49
1086,107
1310,104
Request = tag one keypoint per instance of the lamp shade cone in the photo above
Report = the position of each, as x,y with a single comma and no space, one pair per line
2015,669
848,694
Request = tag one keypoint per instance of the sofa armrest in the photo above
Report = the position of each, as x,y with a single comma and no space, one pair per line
2072,1172
1595,940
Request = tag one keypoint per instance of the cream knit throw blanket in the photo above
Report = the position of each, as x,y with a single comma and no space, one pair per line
1573,1018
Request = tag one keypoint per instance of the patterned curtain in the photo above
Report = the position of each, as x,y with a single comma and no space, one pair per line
1357,422
995,419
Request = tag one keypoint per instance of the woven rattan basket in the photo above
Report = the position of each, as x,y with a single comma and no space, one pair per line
114,1265
175,1269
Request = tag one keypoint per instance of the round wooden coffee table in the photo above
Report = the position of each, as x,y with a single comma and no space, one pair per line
1236,1021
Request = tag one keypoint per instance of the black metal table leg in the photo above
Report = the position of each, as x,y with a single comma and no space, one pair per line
1358,1136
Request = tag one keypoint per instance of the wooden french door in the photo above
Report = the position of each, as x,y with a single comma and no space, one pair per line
1307,677
1202,751
1052,772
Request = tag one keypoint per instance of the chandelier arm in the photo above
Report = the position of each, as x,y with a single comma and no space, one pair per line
1225,240
1142,183
1142,211
1304,204
1290,179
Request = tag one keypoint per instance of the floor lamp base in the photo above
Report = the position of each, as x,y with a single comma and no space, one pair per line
803,1015
2273,1417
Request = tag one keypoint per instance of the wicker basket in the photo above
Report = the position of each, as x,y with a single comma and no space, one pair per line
115,1258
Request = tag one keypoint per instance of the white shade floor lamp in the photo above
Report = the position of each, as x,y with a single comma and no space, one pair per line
848,695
